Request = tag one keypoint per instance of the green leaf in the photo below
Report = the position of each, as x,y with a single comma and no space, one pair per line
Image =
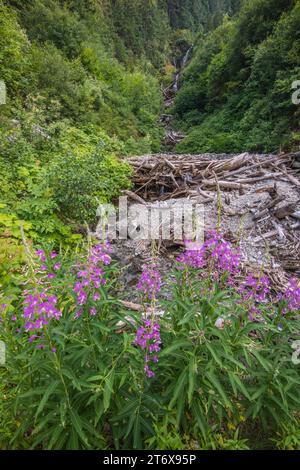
180,384
214,355
241,386
174,347
192,374
260,391
215,382
263,362
77,423
200,417
50,389
108,390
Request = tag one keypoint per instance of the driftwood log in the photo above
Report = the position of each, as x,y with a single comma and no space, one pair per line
263,189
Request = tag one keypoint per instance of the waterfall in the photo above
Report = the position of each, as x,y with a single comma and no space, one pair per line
186,57
180,64
176,82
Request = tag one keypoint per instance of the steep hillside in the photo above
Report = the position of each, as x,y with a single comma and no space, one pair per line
83,87
237,90
199,14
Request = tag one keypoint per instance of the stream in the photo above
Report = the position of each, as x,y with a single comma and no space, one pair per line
171,137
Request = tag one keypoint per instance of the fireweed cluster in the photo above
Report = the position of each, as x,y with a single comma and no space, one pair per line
150,281
95,374
216,259
148,334
90,278
291,297
40,303
216,255
148,339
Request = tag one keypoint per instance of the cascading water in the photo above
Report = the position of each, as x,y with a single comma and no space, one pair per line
172,137
186,57
180,65
176,82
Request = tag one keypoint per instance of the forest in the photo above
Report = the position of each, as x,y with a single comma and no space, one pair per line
141,344
236,92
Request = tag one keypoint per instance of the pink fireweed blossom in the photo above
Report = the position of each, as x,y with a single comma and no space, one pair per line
39,309
148,339
215,251
47,263
93,311
255,291
255,288
41,255
193,258
91,276
150,281
291,296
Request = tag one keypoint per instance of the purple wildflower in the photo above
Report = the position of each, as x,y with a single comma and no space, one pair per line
291,296
148,339
193,258
93,311
150,281
41,255
96,297
39,309
256,288
91,276
215,252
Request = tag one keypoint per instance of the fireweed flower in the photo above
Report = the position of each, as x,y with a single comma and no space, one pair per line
255,288
222,253
93,312
148,339
39,309
91,276
215,252
193,258
148,334
150,281
41,255
291,296
47,263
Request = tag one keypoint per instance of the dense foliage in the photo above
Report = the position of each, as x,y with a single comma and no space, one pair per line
211,360
82,89
199,14
206,363
237,90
